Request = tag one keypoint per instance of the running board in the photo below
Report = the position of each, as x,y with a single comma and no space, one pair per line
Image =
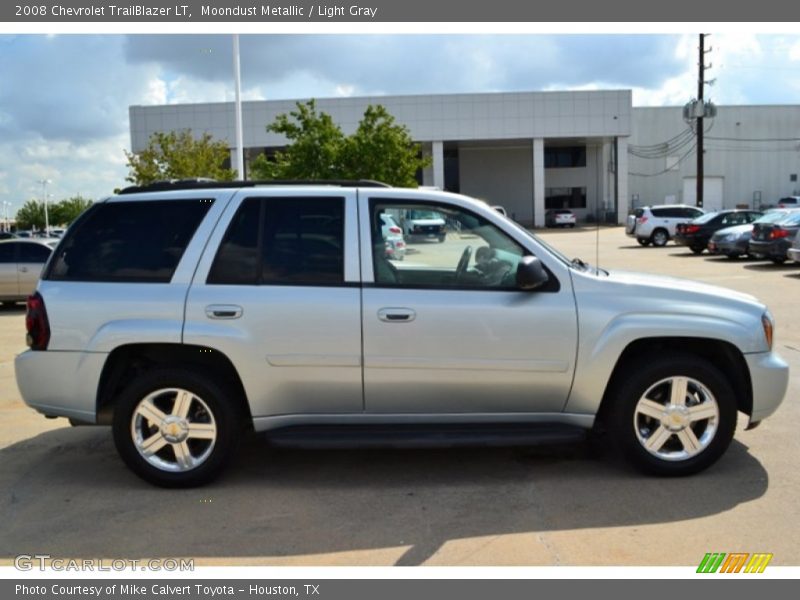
425,436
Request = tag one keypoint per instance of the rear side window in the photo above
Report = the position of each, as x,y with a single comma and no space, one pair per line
283,241
128,241
660,212
7,253
33,253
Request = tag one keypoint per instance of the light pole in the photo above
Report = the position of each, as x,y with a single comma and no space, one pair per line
44,183
6,222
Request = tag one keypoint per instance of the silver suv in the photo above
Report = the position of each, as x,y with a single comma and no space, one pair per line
181,314
656,225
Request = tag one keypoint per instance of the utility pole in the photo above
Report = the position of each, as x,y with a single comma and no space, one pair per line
701,83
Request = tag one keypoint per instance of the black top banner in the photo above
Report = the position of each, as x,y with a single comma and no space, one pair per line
375,11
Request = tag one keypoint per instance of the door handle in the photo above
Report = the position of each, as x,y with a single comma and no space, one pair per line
397,315
224,311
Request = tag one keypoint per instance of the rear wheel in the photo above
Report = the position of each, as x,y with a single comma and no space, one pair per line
176,428
733,256
643,242
778,260
697,249
674,416
660,237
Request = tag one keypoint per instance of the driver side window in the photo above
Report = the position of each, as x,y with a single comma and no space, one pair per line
429,245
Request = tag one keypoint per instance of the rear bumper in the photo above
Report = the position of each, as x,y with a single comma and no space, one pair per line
794,254
769,375
60,384
769,249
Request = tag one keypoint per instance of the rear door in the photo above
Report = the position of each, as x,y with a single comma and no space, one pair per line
9,285
277,292
30,261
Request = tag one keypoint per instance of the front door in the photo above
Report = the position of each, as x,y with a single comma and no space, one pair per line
447,331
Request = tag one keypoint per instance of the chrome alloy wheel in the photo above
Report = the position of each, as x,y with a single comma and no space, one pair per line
173,429
676,418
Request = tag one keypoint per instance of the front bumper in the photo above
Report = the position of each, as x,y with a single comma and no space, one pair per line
60,384
794,254
723,247
769,375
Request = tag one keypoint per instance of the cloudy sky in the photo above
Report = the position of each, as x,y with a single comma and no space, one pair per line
64,98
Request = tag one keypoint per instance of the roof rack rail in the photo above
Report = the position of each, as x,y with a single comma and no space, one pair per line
203,183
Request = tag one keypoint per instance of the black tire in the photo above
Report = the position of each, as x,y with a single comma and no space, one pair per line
659,237
778,260
221,409
572,225
627,428
643,242
442,238
733,256
697,249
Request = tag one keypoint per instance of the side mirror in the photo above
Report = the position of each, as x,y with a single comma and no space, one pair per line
531,273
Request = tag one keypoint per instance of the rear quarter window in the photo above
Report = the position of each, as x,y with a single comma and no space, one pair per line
137,241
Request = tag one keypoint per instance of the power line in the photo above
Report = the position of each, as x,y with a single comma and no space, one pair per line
670,168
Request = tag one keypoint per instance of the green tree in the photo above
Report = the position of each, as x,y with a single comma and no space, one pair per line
179,155
314,150
383,150
67,210
379,149
31,215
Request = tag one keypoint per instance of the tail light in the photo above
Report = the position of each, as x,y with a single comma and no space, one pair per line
641,220
395,230
692,229
36,323
778,233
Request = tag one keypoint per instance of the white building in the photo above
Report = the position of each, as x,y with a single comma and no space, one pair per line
590,151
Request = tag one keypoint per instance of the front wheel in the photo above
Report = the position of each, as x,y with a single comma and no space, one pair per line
673,416
778,260
697,249
643,242
176,428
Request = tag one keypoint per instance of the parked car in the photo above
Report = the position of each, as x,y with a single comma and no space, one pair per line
422,224
697,233
656,225
789,202
562,217
21,262
392,238
181,314
734,242
794,251
7,235
773,240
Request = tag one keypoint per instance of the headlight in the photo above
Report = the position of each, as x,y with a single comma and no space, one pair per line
768,323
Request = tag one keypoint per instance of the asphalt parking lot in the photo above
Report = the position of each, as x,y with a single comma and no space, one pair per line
66,493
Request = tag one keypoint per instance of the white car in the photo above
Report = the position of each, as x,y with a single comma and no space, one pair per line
562,217
656,225
21,262
393,238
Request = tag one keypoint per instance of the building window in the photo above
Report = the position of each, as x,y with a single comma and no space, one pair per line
561,157
565,197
